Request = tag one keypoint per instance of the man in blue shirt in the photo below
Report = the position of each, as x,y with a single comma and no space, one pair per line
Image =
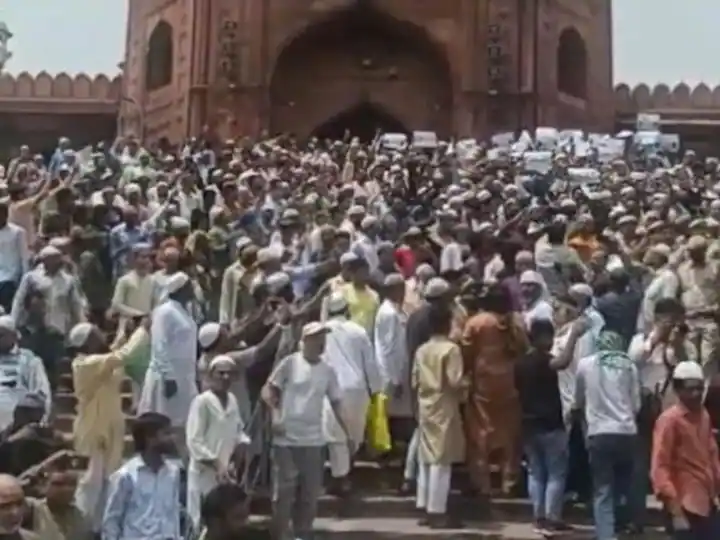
144,494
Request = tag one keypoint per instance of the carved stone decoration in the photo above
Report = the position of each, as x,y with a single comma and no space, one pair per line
5,36
229,55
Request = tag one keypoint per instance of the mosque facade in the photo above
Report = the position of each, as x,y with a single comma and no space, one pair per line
458,67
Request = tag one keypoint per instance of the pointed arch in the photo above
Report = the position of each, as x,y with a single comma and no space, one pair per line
356,55
572,64
362,119
160,57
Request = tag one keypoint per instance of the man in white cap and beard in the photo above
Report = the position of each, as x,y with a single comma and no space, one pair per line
21,373
349,351
99,426
215,435
65,302
685,469
170,382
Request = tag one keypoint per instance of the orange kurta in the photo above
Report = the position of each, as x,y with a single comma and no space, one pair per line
491,345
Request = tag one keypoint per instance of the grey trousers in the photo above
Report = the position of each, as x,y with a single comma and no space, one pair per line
297,486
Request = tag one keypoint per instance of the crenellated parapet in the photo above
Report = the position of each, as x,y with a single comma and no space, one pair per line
661,97
59,94
60,87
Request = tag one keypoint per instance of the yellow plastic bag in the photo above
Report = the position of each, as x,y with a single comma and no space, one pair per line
378,430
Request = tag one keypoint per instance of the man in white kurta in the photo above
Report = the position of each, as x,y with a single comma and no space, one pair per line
349,352
391,349
170,382
214,432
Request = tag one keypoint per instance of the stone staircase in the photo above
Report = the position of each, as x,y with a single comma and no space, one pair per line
376,510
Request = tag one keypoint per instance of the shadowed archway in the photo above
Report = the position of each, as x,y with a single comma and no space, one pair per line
362,55
572,64
362,120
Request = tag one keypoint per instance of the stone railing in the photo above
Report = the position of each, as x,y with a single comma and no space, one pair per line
60,87
682,97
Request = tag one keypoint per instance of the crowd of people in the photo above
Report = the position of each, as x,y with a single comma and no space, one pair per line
522,309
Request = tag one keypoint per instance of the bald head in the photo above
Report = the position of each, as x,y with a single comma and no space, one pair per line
12,504
8,483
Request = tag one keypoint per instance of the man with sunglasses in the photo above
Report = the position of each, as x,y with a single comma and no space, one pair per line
685,470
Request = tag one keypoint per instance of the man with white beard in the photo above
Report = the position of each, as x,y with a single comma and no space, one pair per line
170,384
349,352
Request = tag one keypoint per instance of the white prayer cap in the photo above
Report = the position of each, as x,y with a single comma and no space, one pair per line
79,334
356,210
290,213
524,256
425,271
696,242
436,287
531,276
660,249
394,279
348,257
266,255
276,281
208,334
49,251
484,226
383,245
688,370
132,188
215,212
484,195
534,227
242,242
368,221
336,303
177,222
314,328
614,263
176,282
221,360
59,242
581,289
7,323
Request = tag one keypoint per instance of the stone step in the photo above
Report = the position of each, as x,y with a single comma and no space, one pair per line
389,505
379,528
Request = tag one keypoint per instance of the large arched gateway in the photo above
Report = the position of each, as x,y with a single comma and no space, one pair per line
359,67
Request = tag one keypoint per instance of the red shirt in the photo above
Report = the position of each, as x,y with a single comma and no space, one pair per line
685,470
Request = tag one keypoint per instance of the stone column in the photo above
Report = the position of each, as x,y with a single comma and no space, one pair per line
5,36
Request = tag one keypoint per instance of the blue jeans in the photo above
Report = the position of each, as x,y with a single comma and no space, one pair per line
611,463
640,488
547,456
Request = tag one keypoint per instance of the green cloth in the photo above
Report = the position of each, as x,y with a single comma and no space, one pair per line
137,359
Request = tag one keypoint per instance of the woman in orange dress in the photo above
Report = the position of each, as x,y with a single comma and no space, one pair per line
493,340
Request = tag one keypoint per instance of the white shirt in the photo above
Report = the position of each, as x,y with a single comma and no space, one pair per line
664,284
451,257
609,395
539,311
213,431
350,353
303,387
654,374
585,346
15,255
